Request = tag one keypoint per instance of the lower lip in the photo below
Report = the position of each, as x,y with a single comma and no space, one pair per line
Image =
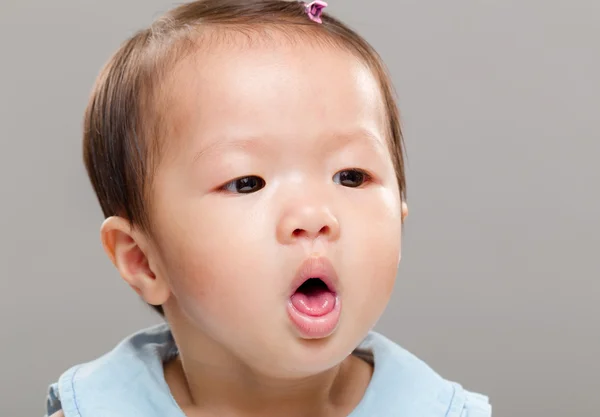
315,327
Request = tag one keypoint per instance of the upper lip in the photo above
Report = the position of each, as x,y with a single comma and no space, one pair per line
316,267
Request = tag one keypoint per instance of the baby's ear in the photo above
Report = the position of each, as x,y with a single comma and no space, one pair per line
404,210
128,249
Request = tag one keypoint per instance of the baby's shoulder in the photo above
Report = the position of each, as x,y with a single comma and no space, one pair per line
405,383
117,382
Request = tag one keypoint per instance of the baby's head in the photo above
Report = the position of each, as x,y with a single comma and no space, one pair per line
239,148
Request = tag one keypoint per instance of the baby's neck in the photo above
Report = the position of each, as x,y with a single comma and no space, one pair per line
203,391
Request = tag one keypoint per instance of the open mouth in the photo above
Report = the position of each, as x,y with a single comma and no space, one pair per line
314,298
314,306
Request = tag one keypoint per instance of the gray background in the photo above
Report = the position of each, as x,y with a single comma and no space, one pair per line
499,286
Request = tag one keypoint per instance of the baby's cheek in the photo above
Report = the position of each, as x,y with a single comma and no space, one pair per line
210,266
379,248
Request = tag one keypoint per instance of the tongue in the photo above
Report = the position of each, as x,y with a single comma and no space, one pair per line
316,303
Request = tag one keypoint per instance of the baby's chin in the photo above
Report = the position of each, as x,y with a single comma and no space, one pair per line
298,367
301,358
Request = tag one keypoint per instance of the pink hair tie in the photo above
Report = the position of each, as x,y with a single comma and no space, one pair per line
314,10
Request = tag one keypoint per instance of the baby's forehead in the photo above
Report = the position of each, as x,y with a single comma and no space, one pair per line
274,88
216,50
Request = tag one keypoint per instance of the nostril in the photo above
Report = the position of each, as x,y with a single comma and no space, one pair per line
325,230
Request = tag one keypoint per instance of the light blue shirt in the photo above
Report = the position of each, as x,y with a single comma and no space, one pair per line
129,382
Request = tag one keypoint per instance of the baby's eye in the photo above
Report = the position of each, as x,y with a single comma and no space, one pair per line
351,178
245,185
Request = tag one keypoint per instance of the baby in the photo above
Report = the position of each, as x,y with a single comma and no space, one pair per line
247,156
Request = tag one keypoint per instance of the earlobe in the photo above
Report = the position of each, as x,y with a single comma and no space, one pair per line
404,210
128,251
404,213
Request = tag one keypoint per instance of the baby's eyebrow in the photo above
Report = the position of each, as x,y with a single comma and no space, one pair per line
248,143
329,143
358,136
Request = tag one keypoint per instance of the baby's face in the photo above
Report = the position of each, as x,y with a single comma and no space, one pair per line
279,155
